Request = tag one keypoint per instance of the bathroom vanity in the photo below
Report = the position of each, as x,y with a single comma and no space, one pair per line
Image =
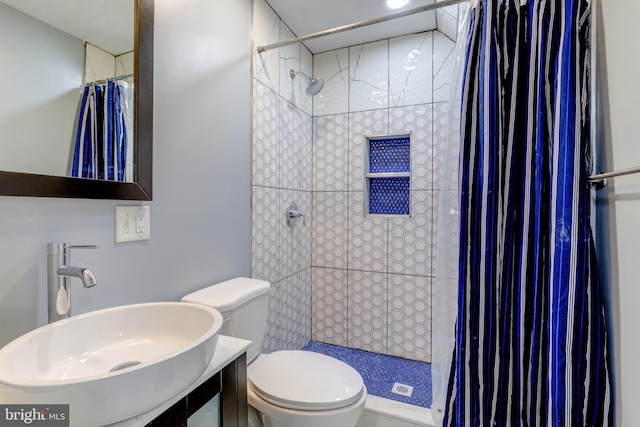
226,375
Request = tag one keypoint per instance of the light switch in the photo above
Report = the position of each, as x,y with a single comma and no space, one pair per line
132,223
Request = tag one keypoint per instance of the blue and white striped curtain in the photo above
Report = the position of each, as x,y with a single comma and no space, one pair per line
531,340
103,137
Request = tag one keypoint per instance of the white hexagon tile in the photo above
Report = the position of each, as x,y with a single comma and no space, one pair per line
361,125
410,317
304,227
330,153
329,301
290,146
305,301
271,331
330,219
288,242
434,207
367,323
446,224
410,239
416,119
289,314
368,237
265,233
306,153
294,253
266,135
439,142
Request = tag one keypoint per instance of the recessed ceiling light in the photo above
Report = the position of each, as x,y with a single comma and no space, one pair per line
397,4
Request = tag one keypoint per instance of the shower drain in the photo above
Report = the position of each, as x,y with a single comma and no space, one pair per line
124,365
402,389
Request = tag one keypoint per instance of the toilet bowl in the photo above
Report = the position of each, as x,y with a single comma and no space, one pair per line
287,388
299,388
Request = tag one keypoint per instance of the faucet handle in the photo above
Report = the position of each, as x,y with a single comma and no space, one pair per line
59,248
292,213
62,302
69,246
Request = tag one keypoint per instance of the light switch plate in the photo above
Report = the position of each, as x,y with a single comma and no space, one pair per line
132,223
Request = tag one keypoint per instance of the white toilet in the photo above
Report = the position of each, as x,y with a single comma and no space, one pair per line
290,388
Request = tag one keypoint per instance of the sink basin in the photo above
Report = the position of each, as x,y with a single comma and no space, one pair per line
111,364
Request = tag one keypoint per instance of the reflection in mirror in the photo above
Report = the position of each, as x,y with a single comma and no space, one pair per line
51,54
54,120
104,130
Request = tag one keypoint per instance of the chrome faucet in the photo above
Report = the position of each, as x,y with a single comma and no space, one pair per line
59,273
292,213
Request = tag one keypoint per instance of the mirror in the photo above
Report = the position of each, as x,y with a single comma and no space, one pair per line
25,183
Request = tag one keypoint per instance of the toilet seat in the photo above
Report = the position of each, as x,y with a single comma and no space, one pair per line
305,380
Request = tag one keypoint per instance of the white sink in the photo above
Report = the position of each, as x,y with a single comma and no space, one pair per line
112,364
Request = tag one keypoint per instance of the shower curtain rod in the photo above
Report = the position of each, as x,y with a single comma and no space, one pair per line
99,82
603,176
348,27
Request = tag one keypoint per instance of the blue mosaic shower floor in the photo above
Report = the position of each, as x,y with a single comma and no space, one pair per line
380,372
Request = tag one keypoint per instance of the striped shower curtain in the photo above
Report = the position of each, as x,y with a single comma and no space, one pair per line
103,137
531,340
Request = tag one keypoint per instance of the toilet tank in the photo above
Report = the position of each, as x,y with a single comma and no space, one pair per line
243,303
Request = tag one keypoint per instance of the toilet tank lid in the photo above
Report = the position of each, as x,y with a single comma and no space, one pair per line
228,295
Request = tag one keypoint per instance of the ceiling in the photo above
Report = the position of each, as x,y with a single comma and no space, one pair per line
309,16
113,32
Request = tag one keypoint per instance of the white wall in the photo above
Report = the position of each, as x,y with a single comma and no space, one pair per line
619,204
200,212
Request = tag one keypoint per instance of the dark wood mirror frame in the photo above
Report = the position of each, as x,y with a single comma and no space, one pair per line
26,184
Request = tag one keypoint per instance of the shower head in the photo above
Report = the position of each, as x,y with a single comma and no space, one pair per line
315,84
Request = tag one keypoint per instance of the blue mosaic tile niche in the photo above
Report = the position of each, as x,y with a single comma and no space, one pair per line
380,372
389,155
389,196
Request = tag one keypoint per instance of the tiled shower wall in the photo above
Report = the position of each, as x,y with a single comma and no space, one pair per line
340,277
282,154
372,275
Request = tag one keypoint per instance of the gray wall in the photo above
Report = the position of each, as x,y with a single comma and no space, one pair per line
619,203
33,55
200,212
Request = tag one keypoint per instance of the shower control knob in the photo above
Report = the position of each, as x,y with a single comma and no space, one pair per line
292,213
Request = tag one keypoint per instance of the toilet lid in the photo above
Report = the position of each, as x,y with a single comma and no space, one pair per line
305,380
